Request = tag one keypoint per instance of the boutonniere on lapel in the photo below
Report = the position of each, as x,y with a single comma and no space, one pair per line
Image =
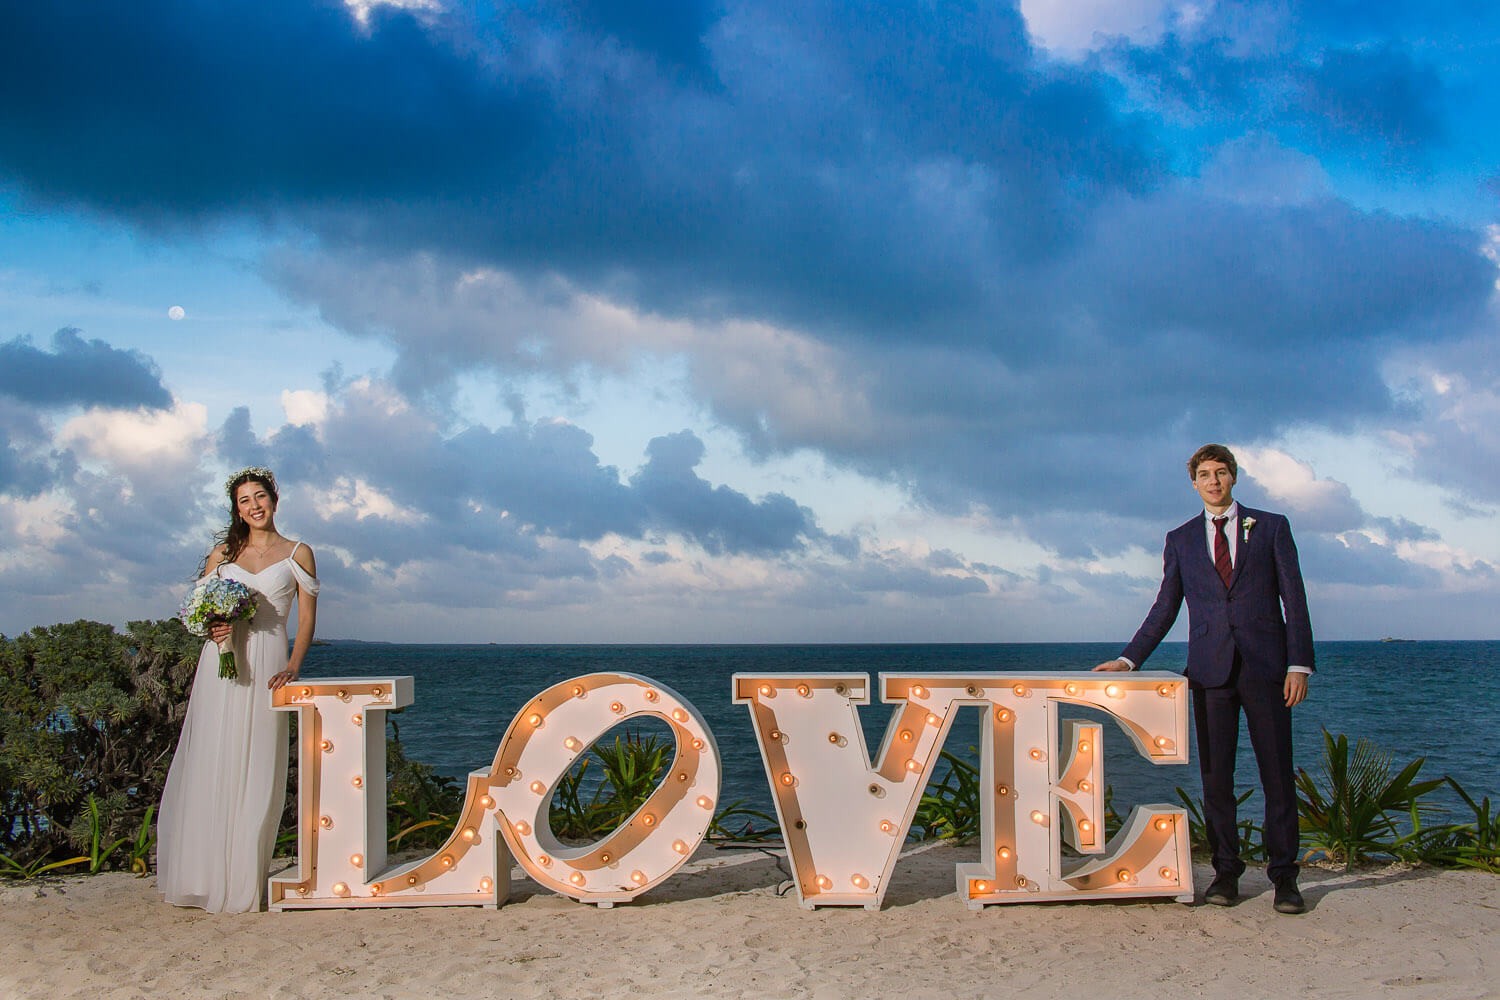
1246,523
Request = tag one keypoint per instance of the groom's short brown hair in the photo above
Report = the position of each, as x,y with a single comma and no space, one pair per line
1213,453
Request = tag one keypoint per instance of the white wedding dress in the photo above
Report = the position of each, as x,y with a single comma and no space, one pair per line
227,784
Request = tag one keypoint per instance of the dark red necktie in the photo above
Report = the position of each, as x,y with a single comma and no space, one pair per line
1221,551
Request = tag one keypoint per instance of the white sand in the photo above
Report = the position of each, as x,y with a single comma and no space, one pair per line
718,929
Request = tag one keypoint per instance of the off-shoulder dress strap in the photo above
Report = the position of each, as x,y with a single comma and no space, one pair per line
304,579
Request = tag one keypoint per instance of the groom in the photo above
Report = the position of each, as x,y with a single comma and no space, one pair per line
1250,649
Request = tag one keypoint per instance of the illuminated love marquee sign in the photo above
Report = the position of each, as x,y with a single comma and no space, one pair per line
843,817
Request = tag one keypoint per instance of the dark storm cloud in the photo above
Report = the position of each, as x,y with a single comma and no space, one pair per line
1381,94
78,372
496,491
174,107
1030,299
720,519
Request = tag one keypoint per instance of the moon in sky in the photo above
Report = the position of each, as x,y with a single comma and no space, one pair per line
176,312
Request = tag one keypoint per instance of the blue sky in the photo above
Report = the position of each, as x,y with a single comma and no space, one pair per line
593,321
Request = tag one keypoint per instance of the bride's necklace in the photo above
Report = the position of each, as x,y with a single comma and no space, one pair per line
261,550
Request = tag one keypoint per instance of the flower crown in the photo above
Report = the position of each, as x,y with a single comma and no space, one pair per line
249,472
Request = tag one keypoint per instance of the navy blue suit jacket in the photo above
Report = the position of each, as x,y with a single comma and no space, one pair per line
1262,613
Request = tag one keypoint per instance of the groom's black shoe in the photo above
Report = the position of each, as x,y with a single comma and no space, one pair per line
1224,890
1288,899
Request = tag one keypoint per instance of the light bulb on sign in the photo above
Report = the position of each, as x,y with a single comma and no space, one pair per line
918,691
616,707
486,802
638,877
357,860
1038,817
680,846
804,690
486,884
765,690
1071,688
469,834
340,889
1113,690
446,861
327,746
578,690
534,720
572,743
357,781
576,878
913,765
651,694
859,881
704,802
538,787
522,827
824,882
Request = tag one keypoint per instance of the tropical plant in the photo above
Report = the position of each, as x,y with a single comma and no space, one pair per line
950,807
586,807
99,852
11,868
1353,811
422,806
144,842
1466,845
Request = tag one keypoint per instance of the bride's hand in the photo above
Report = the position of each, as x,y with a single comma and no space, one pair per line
282,679
220,632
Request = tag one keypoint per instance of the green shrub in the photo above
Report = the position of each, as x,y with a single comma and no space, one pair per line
87,715
1353,811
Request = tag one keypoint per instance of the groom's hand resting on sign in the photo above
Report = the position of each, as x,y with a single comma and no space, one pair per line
1113,665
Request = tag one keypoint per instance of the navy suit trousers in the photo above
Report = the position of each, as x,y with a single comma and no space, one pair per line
1216,724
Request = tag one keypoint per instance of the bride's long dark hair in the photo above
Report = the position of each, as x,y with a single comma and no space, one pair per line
237,534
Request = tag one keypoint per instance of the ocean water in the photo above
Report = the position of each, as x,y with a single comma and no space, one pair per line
1414,699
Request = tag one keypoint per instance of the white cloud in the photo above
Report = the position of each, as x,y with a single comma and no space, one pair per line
133,438
1071,28
346,495
1320,504
304,407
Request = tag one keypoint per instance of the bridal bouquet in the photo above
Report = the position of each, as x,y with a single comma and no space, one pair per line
216,600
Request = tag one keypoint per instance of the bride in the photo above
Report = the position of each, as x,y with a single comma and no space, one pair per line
227,784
